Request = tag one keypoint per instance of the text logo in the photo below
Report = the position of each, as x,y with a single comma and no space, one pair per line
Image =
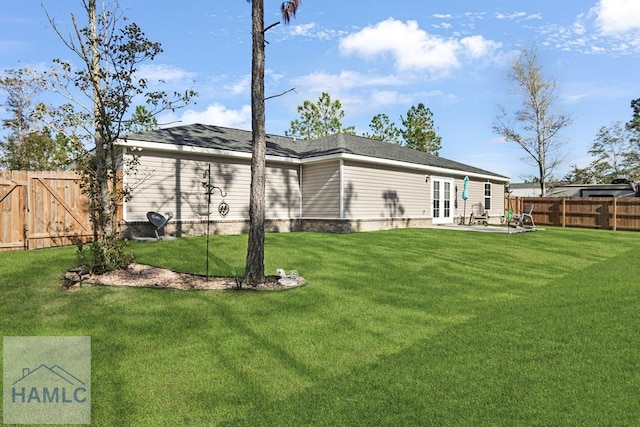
46,380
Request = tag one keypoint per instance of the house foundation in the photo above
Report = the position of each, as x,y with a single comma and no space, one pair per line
138,229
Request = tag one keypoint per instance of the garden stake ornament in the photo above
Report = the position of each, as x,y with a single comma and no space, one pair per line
223,207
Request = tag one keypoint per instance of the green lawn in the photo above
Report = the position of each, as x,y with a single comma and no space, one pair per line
404,327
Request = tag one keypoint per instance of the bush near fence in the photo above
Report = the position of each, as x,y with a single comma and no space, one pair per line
622,213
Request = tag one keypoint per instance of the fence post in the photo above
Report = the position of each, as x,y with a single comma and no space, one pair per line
564,212
615,212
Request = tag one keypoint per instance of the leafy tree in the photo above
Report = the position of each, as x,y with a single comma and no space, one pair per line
37,151
535,126
580,176
21,87
320,119
419,131
634,124
29,145
615,155
254,270
141,120
382,129
100,93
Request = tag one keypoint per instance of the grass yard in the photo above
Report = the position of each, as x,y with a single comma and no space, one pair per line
398,328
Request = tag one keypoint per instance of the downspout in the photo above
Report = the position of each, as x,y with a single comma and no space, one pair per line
300,192
341,189
125,152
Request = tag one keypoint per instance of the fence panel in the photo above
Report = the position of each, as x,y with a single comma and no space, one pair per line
13,209
587,212
42,209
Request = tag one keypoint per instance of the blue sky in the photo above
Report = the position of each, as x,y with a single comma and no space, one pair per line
378,56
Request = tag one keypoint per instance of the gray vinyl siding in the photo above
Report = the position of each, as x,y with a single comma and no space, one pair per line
372,191
321,190
497,198
282,191
174,184
476,195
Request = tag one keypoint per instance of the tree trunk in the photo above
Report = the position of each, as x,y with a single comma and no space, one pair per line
254,272
102,230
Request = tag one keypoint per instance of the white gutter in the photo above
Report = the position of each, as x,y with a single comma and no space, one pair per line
425,168
155,146
340,156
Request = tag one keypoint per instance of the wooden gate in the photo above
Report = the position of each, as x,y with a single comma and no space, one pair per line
42,209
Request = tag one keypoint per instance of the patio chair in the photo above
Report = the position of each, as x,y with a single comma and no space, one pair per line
478,214
524,219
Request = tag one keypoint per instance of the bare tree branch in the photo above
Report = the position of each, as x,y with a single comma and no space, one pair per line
293,89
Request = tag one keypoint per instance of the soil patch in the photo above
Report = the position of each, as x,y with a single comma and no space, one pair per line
141,275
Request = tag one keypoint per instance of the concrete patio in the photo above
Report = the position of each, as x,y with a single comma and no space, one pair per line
487,228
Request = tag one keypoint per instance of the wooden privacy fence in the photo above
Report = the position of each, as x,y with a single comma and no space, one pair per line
42,209
622,213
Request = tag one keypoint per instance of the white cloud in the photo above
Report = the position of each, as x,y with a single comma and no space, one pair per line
444,25
311,30
167,73
334,83
303,30
498,140
574,98
239,87
389,97
412,48
591,34
215,114
475,16
442,16
513,15
478,46
618,16
518,15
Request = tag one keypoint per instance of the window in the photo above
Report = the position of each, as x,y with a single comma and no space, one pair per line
487,196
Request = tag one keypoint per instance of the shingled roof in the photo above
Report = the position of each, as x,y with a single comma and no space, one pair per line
229,139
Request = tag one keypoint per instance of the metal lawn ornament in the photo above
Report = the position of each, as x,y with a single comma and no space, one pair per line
223,207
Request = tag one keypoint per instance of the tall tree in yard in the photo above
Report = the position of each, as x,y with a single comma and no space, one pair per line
100,93
634,124
254,272
382,129
320,119
535,126
419,131
615,155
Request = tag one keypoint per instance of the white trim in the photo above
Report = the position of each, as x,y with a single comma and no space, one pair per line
340,156
156,146
400,164
452,213
300,192
341,172
484,196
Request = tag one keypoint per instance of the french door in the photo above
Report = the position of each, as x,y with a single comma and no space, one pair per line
442,200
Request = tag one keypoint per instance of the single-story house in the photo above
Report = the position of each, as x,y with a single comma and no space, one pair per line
339,183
